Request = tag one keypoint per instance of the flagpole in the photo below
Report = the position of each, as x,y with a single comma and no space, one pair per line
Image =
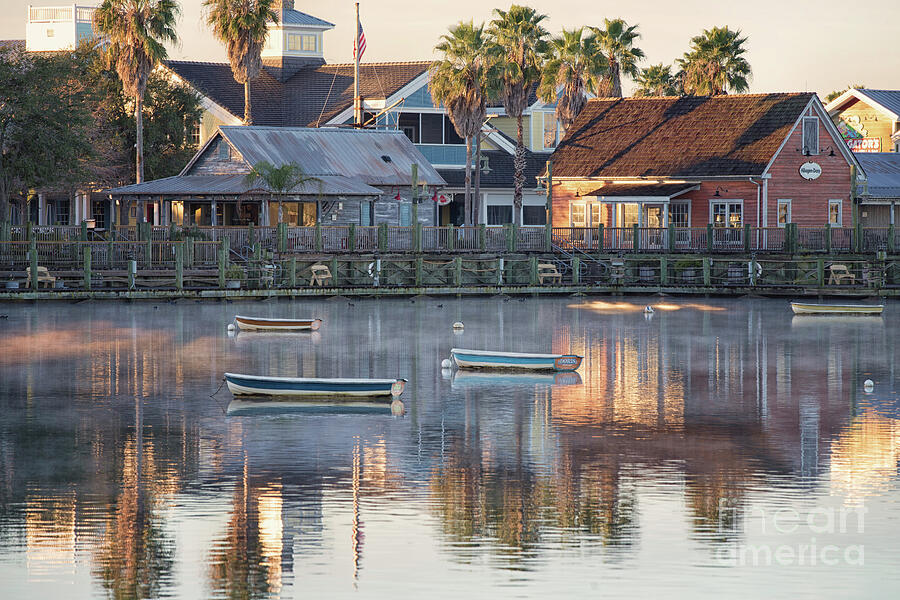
357,100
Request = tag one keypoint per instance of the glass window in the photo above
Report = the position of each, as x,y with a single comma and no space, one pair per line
720,214
409,125
432,129
784,212
499,214
405,214
195,134
735,215
301,42
679,214
364,213
595,214
835,213
534,215
578,215
551,130
450,135
62,212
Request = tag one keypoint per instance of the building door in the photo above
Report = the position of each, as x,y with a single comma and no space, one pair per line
728,222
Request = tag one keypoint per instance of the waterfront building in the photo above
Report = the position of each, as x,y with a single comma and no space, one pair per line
882,193
361,177
764,160
869,120
56,28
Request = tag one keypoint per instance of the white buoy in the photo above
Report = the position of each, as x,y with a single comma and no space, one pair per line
648,309
868,385
230,327
446,364
458,325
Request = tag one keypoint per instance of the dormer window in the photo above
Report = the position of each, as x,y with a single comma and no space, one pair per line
810,136
302,42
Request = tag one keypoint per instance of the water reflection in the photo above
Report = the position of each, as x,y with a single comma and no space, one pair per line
113,455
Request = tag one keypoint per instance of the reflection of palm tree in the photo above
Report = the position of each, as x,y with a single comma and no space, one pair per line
237,567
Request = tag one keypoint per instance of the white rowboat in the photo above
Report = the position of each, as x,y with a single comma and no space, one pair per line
489,359
264,324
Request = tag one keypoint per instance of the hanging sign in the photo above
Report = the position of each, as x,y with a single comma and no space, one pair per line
810,170
441,200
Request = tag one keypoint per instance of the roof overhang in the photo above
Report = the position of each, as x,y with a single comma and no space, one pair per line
237,185
851,94
642,192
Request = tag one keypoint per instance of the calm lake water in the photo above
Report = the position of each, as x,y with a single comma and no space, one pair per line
718,448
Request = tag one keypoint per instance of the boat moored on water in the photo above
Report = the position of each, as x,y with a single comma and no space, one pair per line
490,359
260,385
265,324
811,308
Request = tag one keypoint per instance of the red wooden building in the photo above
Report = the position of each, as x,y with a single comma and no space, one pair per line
762,160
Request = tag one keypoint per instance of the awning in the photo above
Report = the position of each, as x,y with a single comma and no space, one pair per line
236,185
641,192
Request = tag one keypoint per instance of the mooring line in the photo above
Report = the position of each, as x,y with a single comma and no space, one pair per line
213,396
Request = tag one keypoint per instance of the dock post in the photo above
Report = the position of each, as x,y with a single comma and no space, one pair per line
417,236
223,261
747,238
132,273
500,271
890,240
753,271
32,251
334,271
251,235
482,237
510,239
451,238
83,233
576,270
663,270
149,249
548,237
457,271
707,264
636,238
318,230
534,270
179,265
820,272
828,238
857,238
709,237
377,279
600,242
671,237
351,238
87,267
292,272
110,253
382,237
419,265
282,237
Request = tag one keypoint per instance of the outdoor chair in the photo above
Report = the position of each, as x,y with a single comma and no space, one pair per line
548,271
840,274
43,277
321,275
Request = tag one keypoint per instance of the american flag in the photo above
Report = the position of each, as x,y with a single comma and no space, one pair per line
360,46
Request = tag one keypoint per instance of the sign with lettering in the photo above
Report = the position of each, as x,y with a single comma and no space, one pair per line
810,170
867,144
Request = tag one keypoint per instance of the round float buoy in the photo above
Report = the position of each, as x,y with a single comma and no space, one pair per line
458,325
230,327
446,373
446,364
648,309
868,386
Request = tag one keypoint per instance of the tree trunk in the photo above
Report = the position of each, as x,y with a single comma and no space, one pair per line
476,197
615,79
518,172
139,149
467,207
248,116
280,209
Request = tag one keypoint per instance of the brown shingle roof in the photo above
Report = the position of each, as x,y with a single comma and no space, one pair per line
677,137
312,95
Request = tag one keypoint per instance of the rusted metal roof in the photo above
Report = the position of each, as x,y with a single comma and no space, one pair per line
374,157
213,185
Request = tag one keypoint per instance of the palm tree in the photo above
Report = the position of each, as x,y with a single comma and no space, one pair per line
460,81
576,65
279,180
135,32
242,26
519,47
657,80
616,40
715,63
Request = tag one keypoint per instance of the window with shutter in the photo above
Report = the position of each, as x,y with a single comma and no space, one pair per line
810,135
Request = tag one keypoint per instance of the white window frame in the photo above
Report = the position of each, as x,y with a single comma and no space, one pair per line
544,116
680,203
783,202
300,38
815,150
584,208
840,205
727,204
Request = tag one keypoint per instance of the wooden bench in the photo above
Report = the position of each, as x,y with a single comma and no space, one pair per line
548,271
321,275
43,276
839,274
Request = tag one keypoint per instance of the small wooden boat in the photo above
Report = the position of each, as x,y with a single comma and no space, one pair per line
263,324
260,385
809,308
240,408
489,359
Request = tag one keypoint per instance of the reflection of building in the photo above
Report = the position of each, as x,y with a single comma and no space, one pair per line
763,160
864,458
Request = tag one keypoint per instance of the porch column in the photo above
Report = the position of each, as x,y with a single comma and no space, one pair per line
42,210
892,213
213,219
665,212
111,222
264,213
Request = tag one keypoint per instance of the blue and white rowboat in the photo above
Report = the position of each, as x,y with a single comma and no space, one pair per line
489,359
258,385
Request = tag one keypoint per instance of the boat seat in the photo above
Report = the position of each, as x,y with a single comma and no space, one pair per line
548,271
43,277
840,274
321,275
